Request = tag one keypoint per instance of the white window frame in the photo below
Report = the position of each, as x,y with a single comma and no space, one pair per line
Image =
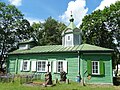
27,66
45,68
98,65
55,66
68,38
61,68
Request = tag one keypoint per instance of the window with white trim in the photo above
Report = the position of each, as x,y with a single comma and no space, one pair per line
41,66
59,66
25,65
68,38
95,68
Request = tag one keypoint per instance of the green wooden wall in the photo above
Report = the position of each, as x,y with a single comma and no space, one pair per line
72,59
106,58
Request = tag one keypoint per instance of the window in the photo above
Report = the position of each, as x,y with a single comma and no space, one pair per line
59,65
25,65
68,38
95,67
41,66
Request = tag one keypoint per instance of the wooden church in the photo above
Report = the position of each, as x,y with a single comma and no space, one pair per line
92,63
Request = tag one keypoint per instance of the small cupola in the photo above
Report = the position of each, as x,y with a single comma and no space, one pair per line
71,36
27,44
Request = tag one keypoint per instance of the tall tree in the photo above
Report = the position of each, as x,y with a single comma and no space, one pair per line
49,32
13,27
37,31
102,27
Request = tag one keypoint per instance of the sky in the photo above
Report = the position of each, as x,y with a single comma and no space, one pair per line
40,10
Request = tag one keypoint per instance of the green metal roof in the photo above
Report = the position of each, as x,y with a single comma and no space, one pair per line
71,26
60,48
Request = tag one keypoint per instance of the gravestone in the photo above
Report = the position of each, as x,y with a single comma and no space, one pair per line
48,77
63,76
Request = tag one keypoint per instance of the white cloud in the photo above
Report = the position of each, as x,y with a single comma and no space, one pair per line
106,3
32,20
79,10
16,2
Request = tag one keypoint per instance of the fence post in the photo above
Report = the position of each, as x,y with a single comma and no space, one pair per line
20,79
26,79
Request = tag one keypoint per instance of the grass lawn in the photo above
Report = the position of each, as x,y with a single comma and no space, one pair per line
72,86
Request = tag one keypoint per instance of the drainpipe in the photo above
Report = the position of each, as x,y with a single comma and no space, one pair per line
78,63
78,76
16,66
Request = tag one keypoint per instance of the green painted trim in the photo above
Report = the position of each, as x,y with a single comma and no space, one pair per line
81,68
102,67
79,63
89,67
111,72
16,66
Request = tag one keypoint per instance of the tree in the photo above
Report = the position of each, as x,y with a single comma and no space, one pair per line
102,27
13,28
37,31
49,32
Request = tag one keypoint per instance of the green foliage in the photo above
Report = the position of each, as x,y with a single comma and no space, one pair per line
13,28
102,28
37,31
49,32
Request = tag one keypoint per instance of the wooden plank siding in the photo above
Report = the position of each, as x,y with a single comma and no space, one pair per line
107,78
71,58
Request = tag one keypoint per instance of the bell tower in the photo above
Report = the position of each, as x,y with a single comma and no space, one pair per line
71,36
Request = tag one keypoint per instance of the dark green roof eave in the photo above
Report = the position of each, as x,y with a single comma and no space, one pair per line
105,51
